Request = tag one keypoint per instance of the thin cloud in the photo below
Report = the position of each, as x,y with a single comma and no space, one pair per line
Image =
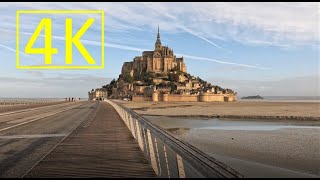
230,21
222,62
13,50
308,86
89,42
201,37
186,29
124,47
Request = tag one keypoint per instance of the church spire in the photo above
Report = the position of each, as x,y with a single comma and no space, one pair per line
158,42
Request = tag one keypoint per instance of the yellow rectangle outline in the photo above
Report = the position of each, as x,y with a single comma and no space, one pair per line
18,12
59,67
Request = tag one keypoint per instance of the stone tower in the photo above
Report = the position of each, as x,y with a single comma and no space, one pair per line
158,42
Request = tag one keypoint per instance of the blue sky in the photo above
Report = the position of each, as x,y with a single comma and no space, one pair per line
254,48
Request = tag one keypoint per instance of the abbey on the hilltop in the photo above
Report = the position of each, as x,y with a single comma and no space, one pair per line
161,60
159,75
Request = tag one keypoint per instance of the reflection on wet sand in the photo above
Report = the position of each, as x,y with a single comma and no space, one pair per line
254,148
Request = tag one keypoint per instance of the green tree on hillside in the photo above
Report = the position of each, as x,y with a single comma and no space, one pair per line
127,78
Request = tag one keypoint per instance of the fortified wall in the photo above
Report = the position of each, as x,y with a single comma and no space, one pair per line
202,97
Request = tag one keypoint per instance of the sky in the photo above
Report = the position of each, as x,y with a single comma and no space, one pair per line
270,49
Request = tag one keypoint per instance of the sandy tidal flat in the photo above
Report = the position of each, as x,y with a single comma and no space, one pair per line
257,149
284,152
246,109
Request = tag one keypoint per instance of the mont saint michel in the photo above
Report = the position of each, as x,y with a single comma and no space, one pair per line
160,75
218,90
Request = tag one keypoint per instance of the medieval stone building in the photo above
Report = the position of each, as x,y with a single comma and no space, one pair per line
161,60
159,75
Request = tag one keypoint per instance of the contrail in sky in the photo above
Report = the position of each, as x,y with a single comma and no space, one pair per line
186,28
130,48
13,50
218,61
201,37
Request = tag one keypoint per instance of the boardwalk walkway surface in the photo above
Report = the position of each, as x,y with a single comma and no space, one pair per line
100,147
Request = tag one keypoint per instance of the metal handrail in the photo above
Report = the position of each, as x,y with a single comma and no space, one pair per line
169,156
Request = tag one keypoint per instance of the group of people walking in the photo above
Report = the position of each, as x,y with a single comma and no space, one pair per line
72,99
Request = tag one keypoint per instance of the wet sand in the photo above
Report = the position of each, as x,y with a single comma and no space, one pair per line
284,152
239,109
288,152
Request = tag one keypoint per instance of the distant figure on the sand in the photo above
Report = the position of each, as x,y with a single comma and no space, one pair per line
69,98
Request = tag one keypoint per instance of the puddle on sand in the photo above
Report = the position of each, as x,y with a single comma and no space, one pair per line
230,124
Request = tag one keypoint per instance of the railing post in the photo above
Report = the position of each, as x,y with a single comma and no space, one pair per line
139,135
152,153
168,156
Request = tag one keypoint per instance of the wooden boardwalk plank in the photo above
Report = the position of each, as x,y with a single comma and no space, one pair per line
104,148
